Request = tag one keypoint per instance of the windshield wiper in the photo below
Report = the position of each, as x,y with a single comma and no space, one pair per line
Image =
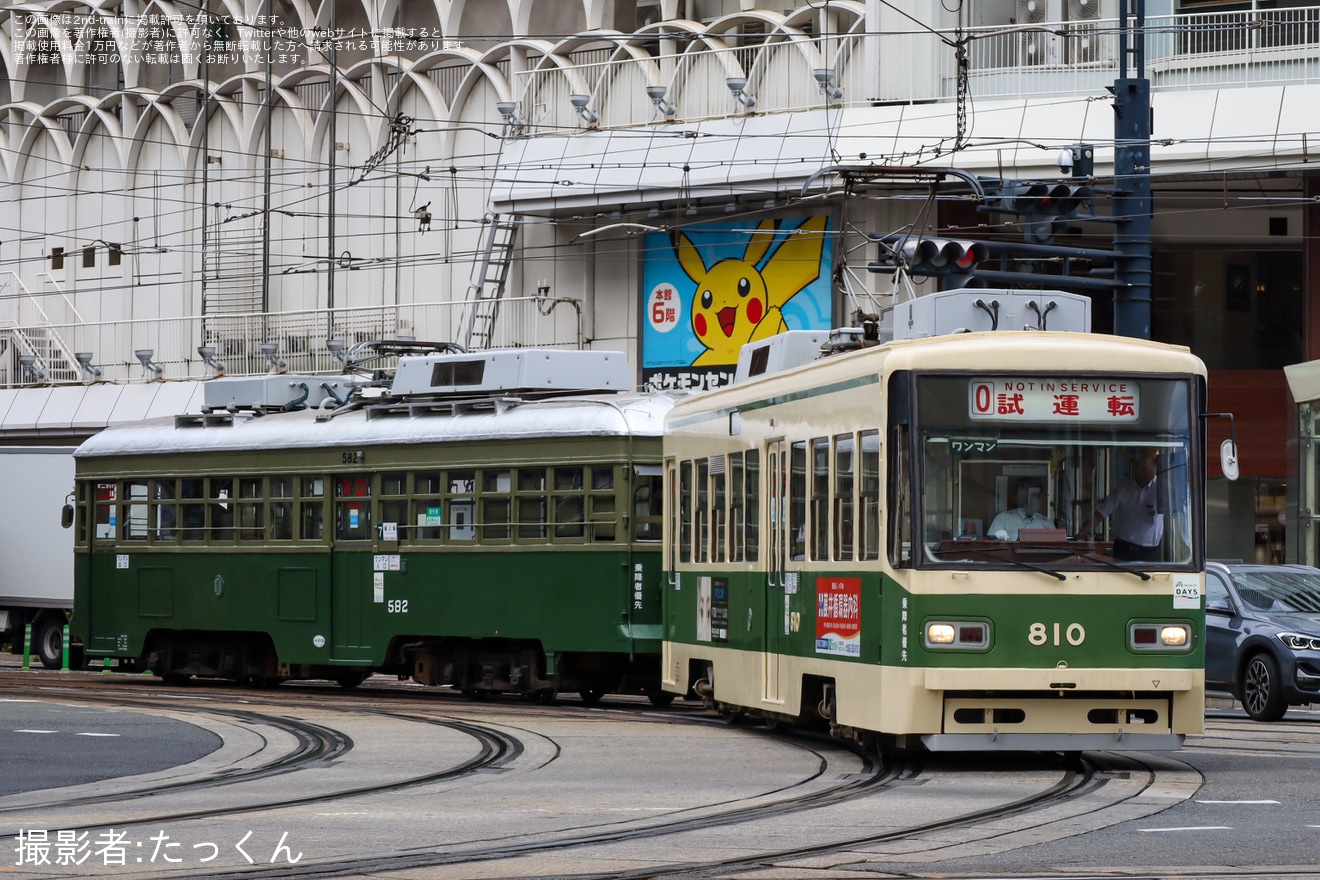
1109,562
993,555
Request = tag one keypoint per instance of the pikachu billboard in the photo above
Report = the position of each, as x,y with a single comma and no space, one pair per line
708,290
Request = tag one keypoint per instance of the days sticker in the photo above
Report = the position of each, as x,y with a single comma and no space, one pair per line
378,586
1186,591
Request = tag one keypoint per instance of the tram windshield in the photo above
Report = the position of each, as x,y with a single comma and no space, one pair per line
1030,471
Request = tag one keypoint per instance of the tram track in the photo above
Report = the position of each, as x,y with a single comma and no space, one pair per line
505,853
317,744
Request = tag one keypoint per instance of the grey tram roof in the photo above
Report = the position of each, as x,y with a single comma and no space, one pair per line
450,397
607,415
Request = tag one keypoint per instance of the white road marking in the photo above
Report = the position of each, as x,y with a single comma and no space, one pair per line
96,734
1237,802
36,731
1188,828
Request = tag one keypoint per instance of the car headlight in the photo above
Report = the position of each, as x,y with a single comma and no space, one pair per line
957,634
1299,642
1160,636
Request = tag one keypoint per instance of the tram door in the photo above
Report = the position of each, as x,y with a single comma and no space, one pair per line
353,580
778,577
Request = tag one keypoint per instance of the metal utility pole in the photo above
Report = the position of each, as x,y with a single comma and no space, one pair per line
1132,200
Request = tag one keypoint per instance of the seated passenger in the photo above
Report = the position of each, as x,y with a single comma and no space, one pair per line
1025,516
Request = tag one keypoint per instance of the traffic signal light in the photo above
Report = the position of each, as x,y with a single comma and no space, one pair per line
1045,199
951,258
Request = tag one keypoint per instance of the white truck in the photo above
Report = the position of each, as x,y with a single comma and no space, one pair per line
36,579
40,427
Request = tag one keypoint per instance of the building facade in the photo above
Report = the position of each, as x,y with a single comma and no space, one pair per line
240,183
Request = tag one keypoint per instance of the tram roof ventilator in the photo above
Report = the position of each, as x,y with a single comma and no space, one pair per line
500,378
943,313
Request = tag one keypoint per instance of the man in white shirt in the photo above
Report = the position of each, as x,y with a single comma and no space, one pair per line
1026,515
1138,523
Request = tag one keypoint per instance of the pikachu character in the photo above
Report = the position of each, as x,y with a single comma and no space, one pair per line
740,300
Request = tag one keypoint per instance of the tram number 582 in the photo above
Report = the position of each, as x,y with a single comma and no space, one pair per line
1040,634
397,606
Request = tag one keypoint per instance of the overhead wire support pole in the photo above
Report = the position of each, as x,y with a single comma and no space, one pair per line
1132,200
268,43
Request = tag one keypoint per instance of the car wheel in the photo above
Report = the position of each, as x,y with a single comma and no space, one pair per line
1262,692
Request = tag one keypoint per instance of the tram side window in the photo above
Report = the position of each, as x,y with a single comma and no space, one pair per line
222,509
569,503
531,503
797,502
163,520
428,507
85,496
648,507
717,509
106,516
311,509
496,505
820,498
193,509
251,510
844,521
462,506
281,508
603,506
870,494
352,507
685,512
703,510
900,502
753,494
393,507
135,510
737,509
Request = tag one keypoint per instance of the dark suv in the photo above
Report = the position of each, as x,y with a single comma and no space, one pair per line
1263,635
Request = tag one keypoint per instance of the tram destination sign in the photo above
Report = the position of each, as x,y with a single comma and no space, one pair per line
1054,400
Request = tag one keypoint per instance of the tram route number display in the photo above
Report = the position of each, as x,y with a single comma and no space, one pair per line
1047,400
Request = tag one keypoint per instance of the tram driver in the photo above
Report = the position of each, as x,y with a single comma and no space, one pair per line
1026,515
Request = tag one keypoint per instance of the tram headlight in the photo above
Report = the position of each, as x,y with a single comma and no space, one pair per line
1173,636
962,634
940,633
1160,636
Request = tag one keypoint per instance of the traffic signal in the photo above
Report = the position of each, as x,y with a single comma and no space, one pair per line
951,258
1044,205
1046,199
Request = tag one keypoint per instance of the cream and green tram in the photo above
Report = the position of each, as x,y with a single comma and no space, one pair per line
835,552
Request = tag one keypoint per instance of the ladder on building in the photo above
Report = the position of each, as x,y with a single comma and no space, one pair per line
490,273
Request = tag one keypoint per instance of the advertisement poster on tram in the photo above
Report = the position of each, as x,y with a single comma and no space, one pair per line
839,616
708,290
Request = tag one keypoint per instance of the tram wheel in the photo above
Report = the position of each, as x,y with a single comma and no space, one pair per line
176,679
545,696
661,699
591,697
731,714
350,680
476,695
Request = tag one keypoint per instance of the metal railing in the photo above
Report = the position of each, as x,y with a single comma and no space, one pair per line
299,337
1008,60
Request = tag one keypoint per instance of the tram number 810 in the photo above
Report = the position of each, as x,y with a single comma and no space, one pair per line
1039,634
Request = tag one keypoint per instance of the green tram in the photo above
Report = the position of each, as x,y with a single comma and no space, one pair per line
831,557
488,521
